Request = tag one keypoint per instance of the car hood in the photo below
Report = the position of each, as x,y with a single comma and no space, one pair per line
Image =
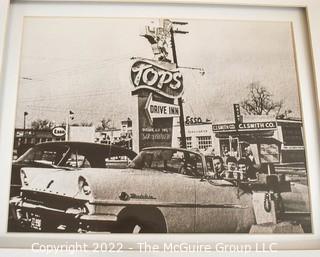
52,181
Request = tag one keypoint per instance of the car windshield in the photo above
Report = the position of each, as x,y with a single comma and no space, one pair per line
43,155
169,160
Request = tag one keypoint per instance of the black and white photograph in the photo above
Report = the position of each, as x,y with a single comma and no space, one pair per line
163,125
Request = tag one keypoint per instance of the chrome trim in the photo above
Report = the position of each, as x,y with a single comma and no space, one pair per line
101,217
22,204
167,204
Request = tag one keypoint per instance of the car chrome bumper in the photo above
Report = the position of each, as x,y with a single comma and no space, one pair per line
26,213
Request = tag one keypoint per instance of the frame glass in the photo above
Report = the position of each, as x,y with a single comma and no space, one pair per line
302,14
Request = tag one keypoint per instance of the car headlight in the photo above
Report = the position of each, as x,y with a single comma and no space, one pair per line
84,186
24,178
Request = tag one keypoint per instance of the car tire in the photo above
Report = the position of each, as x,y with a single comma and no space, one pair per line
132,227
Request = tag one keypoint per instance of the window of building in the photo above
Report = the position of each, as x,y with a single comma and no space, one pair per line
204,142
189,142
292,135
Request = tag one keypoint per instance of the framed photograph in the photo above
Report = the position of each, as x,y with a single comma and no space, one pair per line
194,123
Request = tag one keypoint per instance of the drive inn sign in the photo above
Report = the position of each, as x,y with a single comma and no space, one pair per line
162,78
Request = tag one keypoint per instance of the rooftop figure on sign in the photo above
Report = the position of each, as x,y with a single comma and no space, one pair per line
159,38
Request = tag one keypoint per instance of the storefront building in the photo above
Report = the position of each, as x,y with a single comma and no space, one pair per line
118,136
25,138
290,133
269,139
199,135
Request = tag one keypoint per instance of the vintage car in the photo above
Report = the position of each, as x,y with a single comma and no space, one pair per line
62,154
161,190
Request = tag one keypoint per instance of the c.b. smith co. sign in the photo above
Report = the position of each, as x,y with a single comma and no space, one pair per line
162,78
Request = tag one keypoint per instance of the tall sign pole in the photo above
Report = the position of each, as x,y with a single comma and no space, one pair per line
237,115
158,83
237,120
183,141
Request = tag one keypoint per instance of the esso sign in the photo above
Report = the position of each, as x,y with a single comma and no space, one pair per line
59,131
193,120
157,77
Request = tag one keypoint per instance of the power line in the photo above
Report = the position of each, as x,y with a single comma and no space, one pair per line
62,110
79,67
69,96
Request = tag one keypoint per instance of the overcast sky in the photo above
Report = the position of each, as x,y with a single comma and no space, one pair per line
83,65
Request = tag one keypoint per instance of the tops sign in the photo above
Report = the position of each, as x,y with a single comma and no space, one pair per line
162,78
58,131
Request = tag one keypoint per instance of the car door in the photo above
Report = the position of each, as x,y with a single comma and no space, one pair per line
222,207
176,191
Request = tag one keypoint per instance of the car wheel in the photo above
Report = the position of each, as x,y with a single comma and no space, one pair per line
136,229
132,226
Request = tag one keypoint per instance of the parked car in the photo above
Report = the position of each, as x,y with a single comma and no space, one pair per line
67,154
162,190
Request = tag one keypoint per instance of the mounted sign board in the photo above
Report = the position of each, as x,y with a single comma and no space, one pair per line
193,120
224,127
262,125
292,147
269,153
58,131
160,77
257,125
81,134
157,132
157,84
156,110
237,114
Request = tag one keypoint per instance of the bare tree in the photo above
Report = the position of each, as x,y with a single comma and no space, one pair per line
42,124
86,124
82,124
105,124
259,101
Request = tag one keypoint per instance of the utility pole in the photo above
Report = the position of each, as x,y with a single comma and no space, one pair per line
70,116
183,141
24,122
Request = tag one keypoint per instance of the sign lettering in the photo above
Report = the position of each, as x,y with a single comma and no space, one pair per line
258,125
155,109
162,78
262,125
193,120
223,127
58,131
237,115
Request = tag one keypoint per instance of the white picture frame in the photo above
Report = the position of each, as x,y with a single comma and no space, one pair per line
306,25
